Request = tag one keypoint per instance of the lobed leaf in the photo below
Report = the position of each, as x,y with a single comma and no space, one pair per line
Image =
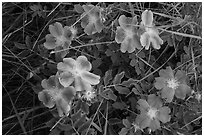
118,77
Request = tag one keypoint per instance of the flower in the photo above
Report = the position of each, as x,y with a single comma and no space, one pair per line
126,34
152,112
171,84
150,33
77,71
89,94
91,18
55,94
60,38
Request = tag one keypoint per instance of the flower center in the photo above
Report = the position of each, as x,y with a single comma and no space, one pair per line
172,83
55,94
92,19
129,33
152,113
60,40
89,95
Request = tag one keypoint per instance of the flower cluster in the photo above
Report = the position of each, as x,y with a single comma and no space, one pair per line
131,37
74,75
171,84
91,18
55,94
152,112
59,37
77,71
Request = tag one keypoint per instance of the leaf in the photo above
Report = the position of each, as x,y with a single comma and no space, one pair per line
20,46
128,83
123,131
118,77
76,115
133,62
85,107
80,121
119,105
78,8
96,63
28,42
29,76
122,90
84,126
114,121
135,91
64,127
108,52
51,122
55,131
108,94
108,77
23,54
126,123
91,131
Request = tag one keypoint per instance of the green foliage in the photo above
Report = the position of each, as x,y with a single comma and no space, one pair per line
102,68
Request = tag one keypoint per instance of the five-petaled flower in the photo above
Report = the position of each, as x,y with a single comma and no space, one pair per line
152,112
55,94
171,84
77,71
59,38
150,33
91,18
126,34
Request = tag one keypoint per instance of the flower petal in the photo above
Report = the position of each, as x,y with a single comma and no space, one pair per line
168,94
182,90
160,82
126,22
120,35
136,41
125,45
147,18
66,79
84,21
143,120
154,101
63,107
145,40
154,124
50,83
68,64
181,76
131,47
68,93
156,41
98,25
90,78
163,114
56,30
143,105
50,42
81,85
83,64
166,73
46,98
90,29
